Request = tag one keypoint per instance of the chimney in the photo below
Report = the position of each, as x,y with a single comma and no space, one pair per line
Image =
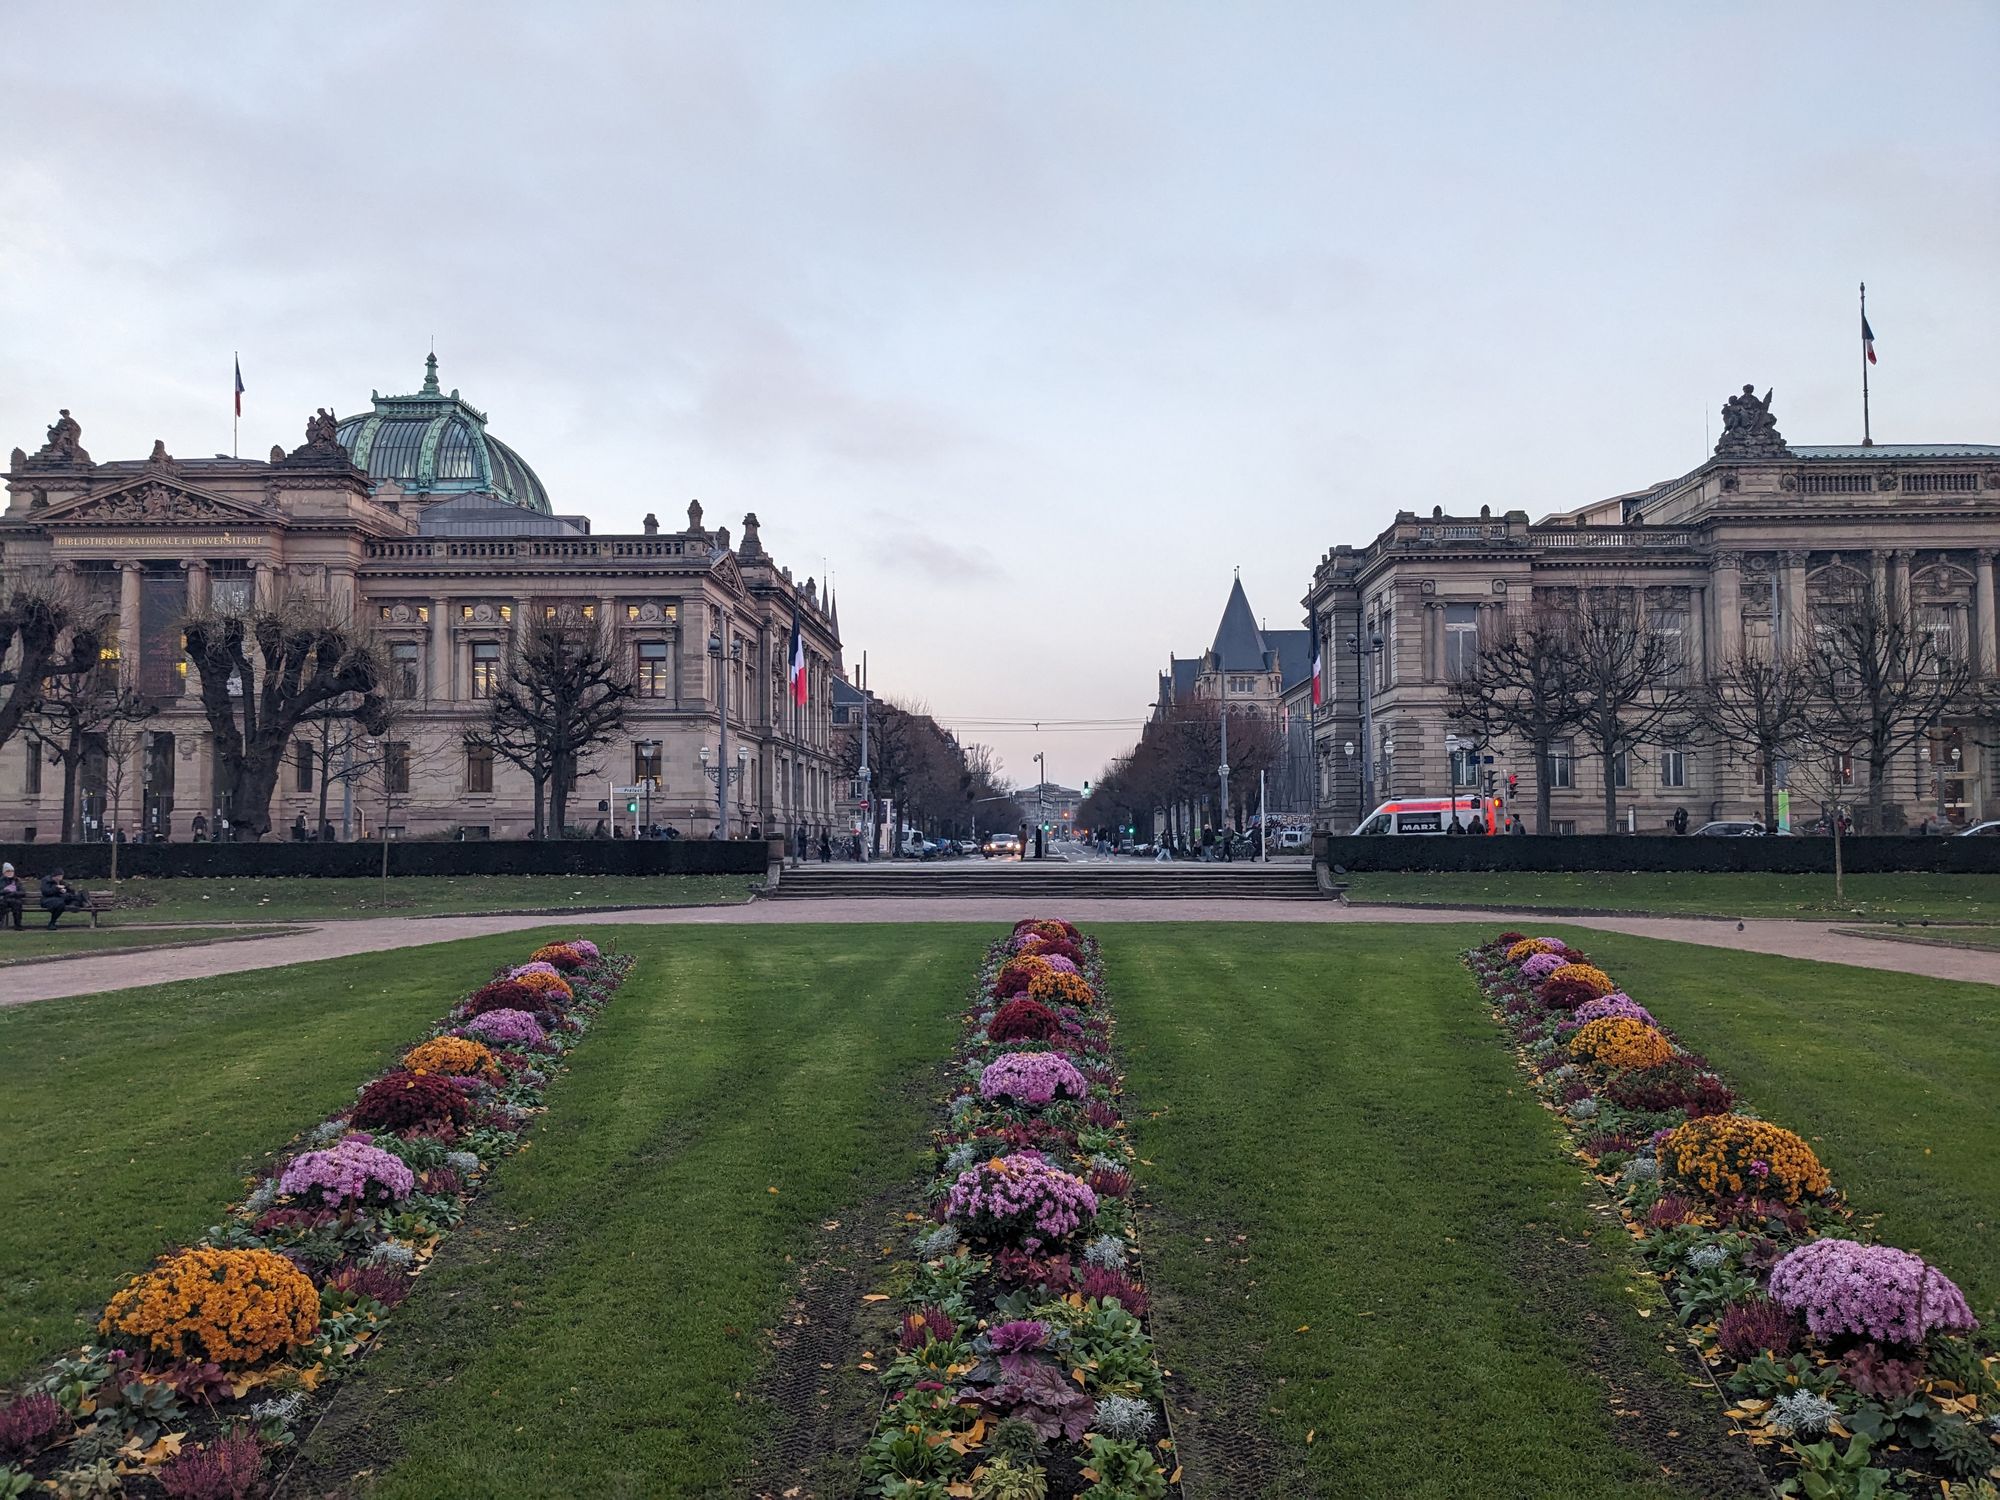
651,524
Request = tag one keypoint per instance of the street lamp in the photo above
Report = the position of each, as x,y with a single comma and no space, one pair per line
724,776
1041,796
648,749
1364,672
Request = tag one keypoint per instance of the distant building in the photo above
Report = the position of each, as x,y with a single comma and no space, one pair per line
419,525
1055,805
1728,557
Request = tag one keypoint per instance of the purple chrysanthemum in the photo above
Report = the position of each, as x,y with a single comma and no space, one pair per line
1876,1291
1033,1078
351,1172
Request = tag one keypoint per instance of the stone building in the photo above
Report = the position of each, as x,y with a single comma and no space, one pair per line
439,540
1728,557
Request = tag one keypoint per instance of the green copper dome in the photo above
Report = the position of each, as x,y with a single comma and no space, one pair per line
435,444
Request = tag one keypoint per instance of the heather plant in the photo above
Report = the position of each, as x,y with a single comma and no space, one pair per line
1756,1325
29,1422
230,1468
1869,1291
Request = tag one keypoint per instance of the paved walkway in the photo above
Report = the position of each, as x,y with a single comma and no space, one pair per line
123,970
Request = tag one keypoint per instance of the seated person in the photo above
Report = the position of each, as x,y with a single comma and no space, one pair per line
58,897
12,897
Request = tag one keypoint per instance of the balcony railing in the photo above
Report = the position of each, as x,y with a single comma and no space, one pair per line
1610,536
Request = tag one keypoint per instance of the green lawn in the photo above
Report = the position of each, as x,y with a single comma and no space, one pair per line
1943,898
36,943
262,900
1408,1312
1895,1081
598,1329
127,1121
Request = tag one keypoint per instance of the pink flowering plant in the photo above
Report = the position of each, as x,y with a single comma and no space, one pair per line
1019,1200
508,1028
1032,1078
1843,1288
1610,1008
1538,966
354,1174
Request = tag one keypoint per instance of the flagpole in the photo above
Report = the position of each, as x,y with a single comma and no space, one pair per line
1867,437
235,404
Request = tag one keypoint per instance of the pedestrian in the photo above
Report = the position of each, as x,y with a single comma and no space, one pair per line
1207,842
201,828
1680,820
1455,826
57,897
825,847
12,897
1479,823
326,831
1228,847
1515,825
299,832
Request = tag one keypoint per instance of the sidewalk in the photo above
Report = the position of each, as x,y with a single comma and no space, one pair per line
116,971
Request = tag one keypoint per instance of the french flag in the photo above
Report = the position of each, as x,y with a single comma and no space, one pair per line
798,661
1867,339
239,385
1318,689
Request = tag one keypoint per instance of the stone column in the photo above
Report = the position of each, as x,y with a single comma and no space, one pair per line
1433,645
1792,582
524,615
128,623
1899,580
1986,642
197,586
1699,666
441,673
266,592
1728,605
1878,575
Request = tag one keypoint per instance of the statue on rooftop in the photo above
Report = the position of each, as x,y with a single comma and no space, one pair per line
65,444
1749,430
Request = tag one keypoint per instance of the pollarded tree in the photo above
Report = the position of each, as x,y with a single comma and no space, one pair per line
265,670
1524,685
74,718
1759,705
1879,682
32,626
1627,681
562,692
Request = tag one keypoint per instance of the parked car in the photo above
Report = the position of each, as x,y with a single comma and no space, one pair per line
1001,846
1730,828
1292,840
1989,829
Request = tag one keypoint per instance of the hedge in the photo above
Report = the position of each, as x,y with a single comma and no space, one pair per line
87,862
1865,854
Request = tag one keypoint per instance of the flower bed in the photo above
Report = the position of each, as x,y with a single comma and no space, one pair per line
1855,1364
212,1360
1022,1365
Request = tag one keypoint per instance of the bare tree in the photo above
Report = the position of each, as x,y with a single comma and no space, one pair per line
1759,705
1879,682
32,627
71,722
1627,683
263,671
562,692
1524,684
121,739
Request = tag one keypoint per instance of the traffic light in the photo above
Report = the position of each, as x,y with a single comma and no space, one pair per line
1513,782
632,806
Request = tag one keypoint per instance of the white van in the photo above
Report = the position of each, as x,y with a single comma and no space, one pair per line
1433,815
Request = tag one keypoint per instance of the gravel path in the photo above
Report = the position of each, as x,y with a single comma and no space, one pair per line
123,970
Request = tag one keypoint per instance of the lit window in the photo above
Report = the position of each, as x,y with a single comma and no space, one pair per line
652,669
405,676
485,668
646,761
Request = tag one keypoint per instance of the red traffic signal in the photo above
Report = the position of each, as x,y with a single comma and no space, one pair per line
1513,781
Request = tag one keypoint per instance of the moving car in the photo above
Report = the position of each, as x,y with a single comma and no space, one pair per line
1291,840
1730,828
1001,846
1433,815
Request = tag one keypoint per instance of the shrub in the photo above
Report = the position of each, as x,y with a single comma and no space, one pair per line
354,1172
510,994
1620,1043
1753,1326
1050,949
230,1468
1727,1154
1614,1005
1052,986
1540,965
454,1056
29,1422
1023,1021
232,1306
1019,1199
1588,975
509,1028
402,1101
565,957
1679,1083
1873,1291
1015,975
1062,965
1033,1078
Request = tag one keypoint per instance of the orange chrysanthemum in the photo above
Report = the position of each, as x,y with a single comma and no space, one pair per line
1621,1042
455,1055
230,1306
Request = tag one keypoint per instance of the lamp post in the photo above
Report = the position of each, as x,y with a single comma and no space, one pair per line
724,776
1364,672
722,731
1041,796
648,749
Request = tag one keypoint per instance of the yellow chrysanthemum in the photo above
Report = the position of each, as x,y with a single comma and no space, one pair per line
553,984
230,1306
1586,974
1053,987
1728,1154
1621,1042
455,1055
1527,948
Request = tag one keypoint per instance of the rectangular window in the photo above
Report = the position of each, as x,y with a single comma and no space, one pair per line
405,670
485,668
479,768
1562,762
1564,825
1938,626
652,669
302,763
1465,768
646,761
1673,769
33,785
396,765
1461,639
1621,769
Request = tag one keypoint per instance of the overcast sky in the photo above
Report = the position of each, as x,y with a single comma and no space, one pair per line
1028,323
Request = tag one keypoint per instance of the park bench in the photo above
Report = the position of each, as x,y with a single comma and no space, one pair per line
96,902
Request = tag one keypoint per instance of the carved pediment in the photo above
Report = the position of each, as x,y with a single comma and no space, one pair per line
728,573
153,499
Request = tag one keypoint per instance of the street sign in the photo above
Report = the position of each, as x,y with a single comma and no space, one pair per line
628,791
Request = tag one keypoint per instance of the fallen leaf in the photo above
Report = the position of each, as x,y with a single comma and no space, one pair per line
876,1297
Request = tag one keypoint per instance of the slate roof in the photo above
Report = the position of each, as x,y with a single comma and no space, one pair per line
1239,644
1899,450
1295,651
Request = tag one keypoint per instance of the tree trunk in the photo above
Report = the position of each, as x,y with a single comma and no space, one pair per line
1770,767
250,792
114,858
1839,875
1542,788
1610,791
324,757
70,768
559,798
541,795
